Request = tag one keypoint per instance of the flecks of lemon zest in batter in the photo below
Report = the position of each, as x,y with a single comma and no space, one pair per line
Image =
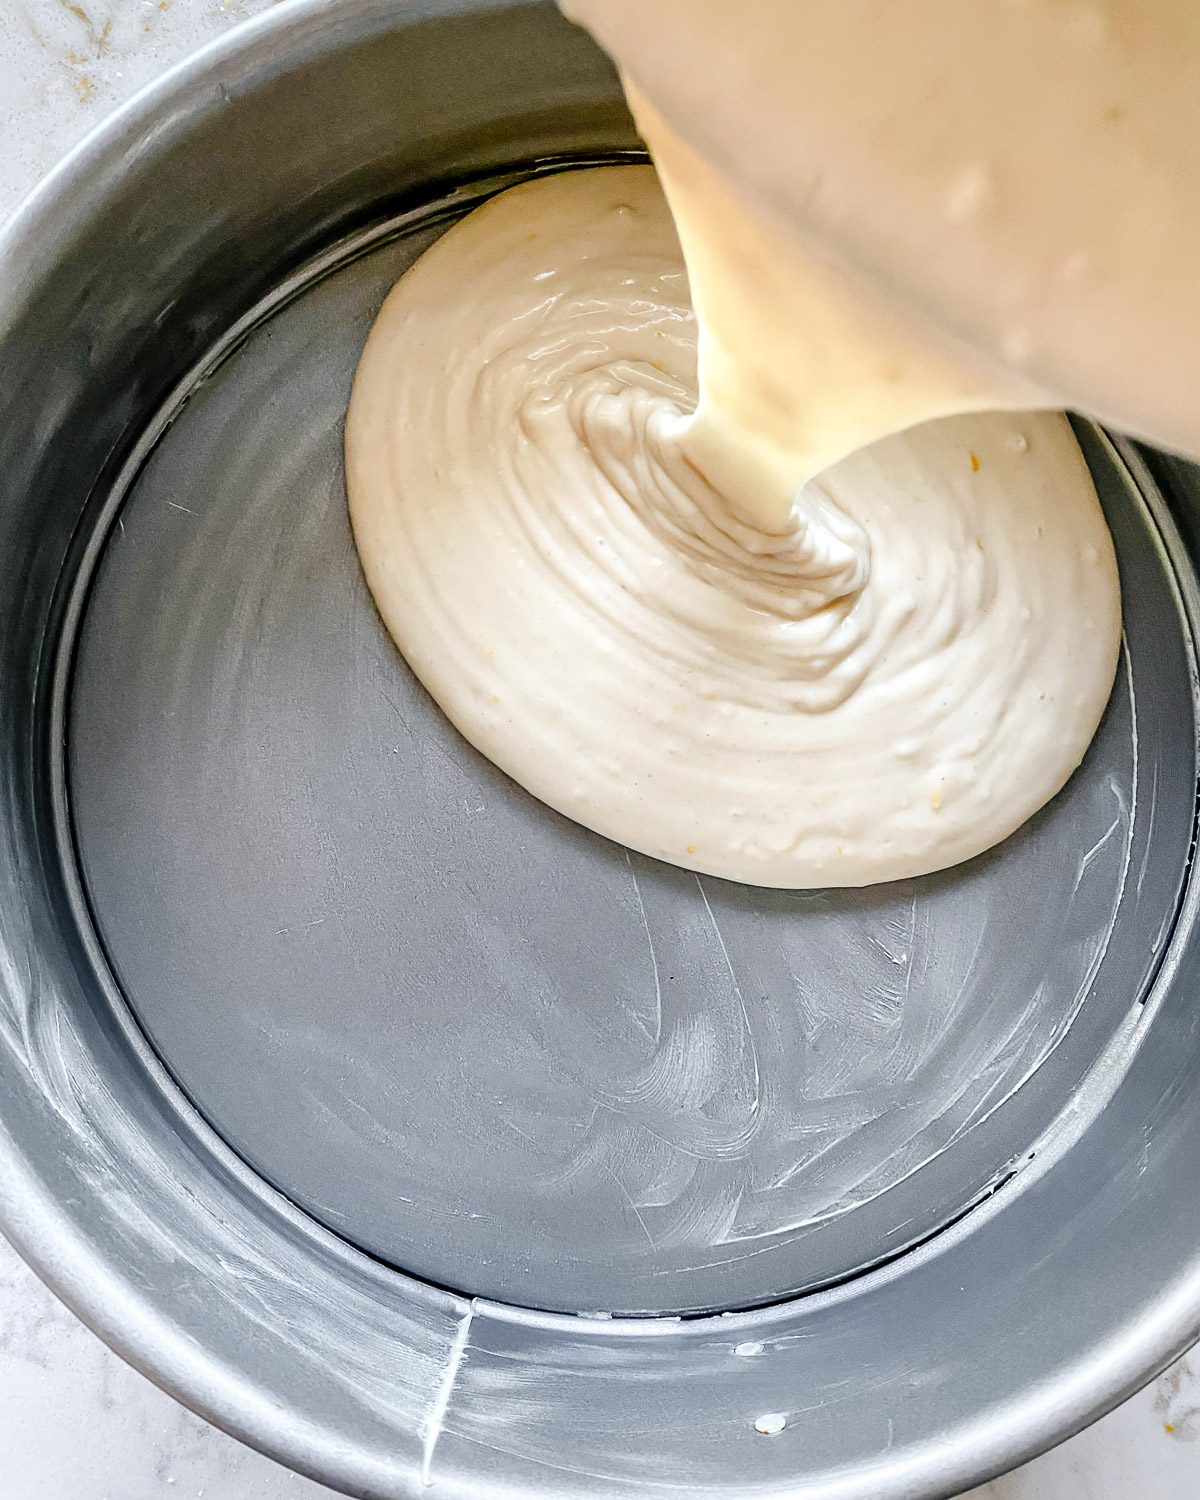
975,463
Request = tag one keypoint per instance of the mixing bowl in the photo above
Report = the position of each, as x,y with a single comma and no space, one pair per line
404,1129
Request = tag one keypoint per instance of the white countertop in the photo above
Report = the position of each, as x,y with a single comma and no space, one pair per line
75,1422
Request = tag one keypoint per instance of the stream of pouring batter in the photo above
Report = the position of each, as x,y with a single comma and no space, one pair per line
800,364
1016,181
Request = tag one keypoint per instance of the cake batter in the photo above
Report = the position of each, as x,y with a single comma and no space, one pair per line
653,622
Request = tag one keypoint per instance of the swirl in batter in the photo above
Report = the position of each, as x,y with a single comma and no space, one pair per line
885,680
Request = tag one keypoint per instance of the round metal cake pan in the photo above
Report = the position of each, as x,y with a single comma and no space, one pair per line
412,1134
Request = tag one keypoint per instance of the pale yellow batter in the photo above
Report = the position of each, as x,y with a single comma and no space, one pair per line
1010,186
880,675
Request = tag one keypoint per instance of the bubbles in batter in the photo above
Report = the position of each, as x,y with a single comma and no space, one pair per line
889,685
